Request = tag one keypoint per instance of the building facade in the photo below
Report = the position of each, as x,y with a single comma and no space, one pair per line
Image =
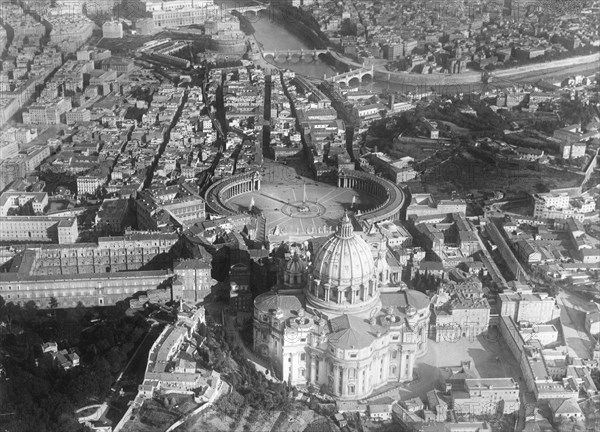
535,308
195,278
95,274
35,229
90,289
17,200
487,396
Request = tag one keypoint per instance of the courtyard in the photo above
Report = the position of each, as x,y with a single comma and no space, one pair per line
489,356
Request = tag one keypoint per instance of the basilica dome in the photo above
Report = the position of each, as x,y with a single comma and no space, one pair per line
343,279
344,259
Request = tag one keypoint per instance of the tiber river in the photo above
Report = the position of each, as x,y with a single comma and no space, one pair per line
273,35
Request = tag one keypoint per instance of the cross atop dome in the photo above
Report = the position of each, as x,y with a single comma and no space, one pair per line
345,228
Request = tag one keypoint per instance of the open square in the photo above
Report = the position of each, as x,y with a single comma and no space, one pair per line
297,205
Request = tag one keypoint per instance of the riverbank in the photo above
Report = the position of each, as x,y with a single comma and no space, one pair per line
537,68
474,77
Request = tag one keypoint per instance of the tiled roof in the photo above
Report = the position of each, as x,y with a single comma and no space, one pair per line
402,299
349,332
271,301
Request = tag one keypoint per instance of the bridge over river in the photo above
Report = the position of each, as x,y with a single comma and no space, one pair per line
355,74
300,54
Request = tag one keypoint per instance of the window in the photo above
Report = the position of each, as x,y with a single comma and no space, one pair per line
303,356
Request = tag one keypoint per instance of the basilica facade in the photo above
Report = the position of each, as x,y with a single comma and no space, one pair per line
332,323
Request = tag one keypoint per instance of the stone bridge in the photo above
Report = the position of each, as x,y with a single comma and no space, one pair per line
357,74
301,54
259,6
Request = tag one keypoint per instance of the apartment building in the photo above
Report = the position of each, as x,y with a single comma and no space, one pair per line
89,184
562,206
47,113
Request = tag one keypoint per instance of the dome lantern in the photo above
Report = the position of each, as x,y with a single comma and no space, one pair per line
345,228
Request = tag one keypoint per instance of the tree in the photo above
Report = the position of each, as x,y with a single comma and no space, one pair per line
553,290
10,312
29,314
595,374
78,312
348,28
53,303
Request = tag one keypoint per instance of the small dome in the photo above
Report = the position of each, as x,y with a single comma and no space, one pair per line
345,259
296,265
294,275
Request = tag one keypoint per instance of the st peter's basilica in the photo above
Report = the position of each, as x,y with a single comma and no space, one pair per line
332,321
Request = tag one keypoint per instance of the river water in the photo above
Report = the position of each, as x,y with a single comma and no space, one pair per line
273,36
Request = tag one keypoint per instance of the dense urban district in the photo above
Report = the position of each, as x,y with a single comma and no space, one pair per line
300,215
